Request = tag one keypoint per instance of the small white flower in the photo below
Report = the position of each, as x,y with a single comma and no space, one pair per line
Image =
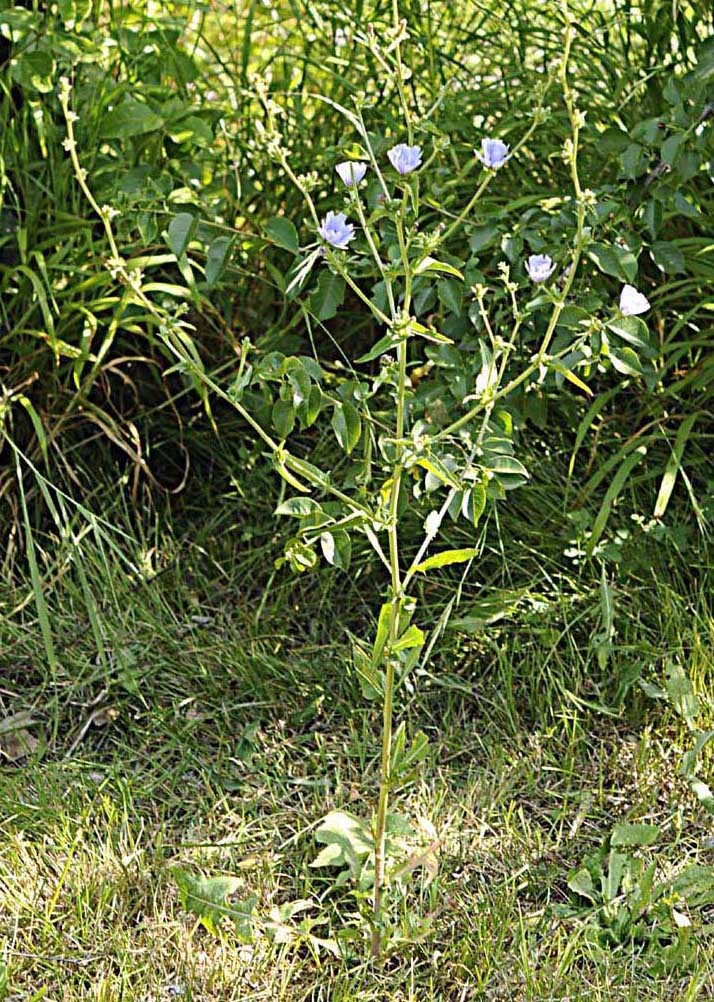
632,302
351,172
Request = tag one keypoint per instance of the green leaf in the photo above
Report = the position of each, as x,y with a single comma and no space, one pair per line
625,360
191,129
616,261
282,232
329,295
217,258
180,232
428,264
483,236
348,842
669,477
130,118
506,465
445,558
34,69
634,834
380,639
347,426
387,343
450,294
634,161
681,694
413,636
336,548
670,148
668,257
473,503
634,331
613,140
581,883
618,482
207,898
300,507
283,417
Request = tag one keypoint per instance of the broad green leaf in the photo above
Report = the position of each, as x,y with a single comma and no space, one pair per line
489,610
130,118
336,548
634,331
625,360
412,637
429,264
703,793
506,465
34,69
445,558
695,884
217,258
309,410
671,147
473,503
681,693
191,129
329,295
581,883
207,898
347,426
616,261
450,294
283,417
628,834
300,507
281,231
180,232
634,161
348,840
483,236
668,257
617,864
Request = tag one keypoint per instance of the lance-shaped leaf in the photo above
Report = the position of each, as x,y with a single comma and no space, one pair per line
445,558
429,264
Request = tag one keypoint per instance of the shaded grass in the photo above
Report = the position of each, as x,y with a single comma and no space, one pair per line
220,718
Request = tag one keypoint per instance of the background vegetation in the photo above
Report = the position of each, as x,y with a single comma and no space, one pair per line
169,701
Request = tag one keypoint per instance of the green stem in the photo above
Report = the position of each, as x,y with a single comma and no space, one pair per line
388,705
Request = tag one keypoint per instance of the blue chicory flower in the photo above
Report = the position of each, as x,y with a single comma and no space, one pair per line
336,230
351,172
405,158
540,267
494,153
632,302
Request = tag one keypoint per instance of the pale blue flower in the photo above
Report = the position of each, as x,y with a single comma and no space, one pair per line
540,267
405,158
632,302
351,172
494,153
336,230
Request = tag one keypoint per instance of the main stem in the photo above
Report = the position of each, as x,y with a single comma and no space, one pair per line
388,705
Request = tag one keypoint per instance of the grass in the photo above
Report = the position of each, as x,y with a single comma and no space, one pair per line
215,725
